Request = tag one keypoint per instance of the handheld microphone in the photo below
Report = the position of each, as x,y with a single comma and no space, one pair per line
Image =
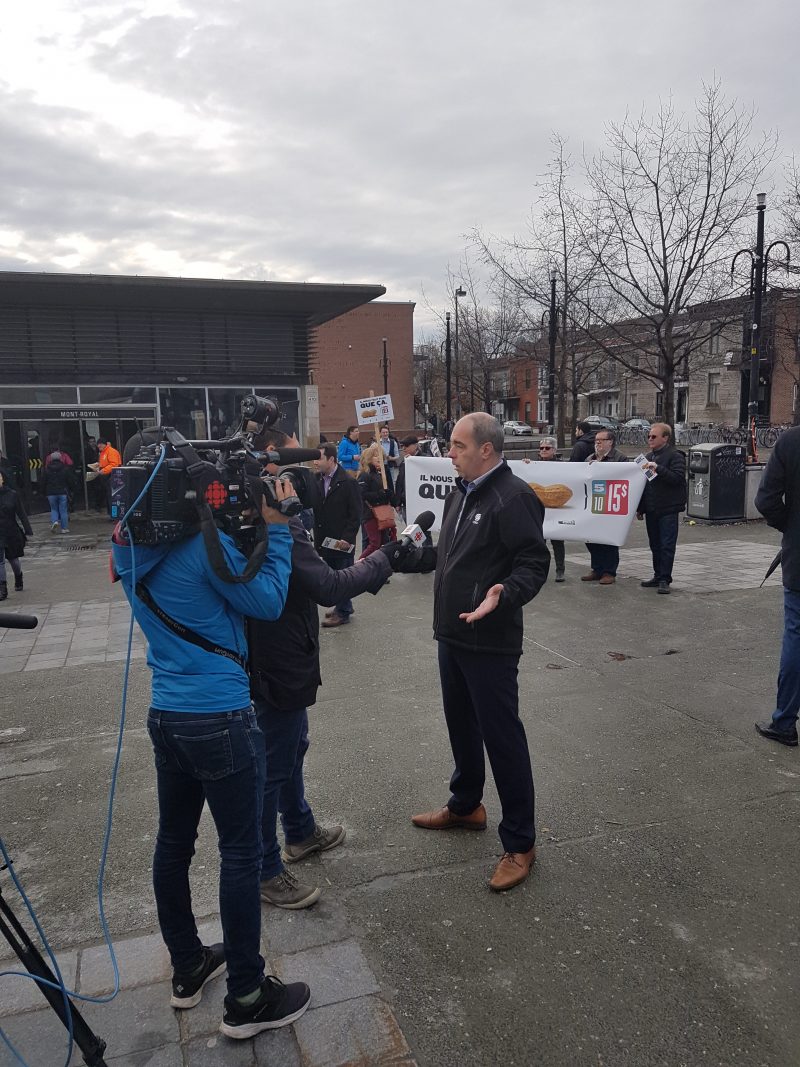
11,621
284,456
414,534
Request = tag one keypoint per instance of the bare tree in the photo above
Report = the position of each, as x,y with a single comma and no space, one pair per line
552,241
669,199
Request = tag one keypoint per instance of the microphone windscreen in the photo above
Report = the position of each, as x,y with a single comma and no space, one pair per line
295,455
11,621
425,520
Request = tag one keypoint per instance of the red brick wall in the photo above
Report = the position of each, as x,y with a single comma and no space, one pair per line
349,364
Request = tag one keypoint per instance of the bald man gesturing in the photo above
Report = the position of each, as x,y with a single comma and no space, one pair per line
491,559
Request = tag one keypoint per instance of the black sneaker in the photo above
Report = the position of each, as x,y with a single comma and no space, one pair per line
785,737
277,1006
187,989
651,583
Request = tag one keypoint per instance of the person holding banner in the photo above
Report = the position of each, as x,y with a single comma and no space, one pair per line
373,495
604,558
491,560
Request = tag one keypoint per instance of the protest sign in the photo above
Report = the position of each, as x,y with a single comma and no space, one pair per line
374,409
583,501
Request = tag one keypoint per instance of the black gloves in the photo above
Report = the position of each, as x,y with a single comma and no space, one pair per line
403,557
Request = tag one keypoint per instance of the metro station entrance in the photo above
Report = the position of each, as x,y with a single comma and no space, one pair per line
28,442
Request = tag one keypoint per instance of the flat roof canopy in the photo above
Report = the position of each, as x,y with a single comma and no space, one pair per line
315,302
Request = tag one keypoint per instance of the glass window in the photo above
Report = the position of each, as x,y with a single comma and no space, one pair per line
118,394
223,405
289,401
185,409
713,388
38,394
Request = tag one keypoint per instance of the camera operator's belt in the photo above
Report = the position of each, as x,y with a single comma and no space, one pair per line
184,632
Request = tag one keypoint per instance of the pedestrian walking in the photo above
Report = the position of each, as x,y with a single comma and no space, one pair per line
14,529
57,482
778,500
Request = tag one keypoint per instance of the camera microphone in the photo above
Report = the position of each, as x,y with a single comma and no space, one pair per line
283,456
415,533
11,621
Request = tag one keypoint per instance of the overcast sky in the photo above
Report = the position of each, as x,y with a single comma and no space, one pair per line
335,140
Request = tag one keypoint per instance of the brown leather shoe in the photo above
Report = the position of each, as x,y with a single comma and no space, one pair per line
512,869
607,579
445,819
592,576
335,620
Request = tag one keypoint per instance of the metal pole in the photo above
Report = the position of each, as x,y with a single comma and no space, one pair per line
551,385
448,403
385,368
755,334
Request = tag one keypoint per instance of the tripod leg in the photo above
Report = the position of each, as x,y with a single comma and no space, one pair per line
87,1041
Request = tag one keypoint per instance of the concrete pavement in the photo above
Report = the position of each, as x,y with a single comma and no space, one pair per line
659,925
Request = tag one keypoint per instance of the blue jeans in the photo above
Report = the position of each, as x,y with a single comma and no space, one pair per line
605,558
788,703
340,561
219,758
58,510
286,743
662,533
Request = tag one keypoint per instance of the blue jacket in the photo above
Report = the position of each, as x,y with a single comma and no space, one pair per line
186,678
349,451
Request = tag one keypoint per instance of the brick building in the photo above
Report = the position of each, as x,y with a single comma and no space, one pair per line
349,362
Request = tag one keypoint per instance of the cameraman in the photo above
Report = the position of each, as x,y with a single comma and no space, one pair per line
208,748
284,679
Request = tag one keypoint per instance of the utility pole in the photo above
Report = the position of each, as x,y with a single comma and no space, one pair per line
755,333
458,294
447,362
553,335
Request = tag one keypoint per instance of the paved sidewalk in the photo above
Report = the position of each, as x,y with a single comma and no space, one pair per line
348,1022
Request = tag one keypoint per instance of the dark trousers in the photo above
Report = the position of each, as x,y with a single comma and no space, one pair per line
217,758
788,701
285,743
16,566
605,558
340,561
662,532
481,707
558,554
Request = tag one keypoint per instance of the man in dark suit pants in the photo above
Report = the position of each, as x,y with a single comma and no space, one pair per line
663,500
778,500
337,517
491,559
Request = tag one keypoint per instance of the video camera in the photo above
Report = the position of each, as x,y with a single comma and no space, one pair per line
202,484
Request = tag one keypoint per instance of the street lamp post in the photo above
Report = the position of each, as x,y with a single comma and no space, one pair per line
385,368
458,294
553,334
447,367
758,286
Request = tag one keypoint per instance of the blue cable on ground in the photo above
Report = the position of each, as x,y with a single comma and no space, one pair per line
60,985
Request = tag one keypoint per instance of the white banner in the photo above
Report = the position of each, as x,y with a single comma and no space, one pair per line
374,409
583,501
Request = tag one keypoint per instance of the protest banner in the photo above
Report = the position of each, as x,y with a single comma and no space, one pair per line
583,501
373,409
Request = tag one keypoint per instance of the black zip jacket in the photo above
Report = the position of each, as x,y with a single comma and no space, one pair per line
13,521
498,539
284,655
583,447
778,500
371,488
338,514
666,494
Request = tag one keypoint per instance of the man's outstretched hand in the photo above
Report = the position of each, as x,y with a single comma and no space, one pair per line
486,606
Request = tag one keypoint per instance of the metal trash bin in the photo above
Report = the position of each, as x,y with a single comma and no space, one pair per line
717,482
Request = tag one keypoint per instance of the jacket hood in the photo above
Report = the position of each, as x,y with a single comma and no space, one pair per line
147,556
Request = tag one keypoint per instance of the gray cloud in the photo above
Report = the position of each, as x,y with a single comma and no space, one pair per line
355,142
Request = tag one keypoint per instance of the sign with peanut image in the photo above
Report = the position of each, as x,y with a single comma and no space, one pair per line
579,504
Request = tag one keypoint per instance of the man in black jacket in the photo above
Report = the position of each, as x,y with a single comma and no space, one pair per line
583,445
491,560
284,679
663,500
337,518
778,500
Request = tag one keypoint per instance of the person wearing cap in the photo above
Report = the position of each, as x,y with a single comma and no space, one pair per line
408,446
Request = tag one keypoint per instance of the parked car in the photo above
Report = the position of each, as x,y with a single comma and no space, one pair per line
516,429
637,424
603,421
